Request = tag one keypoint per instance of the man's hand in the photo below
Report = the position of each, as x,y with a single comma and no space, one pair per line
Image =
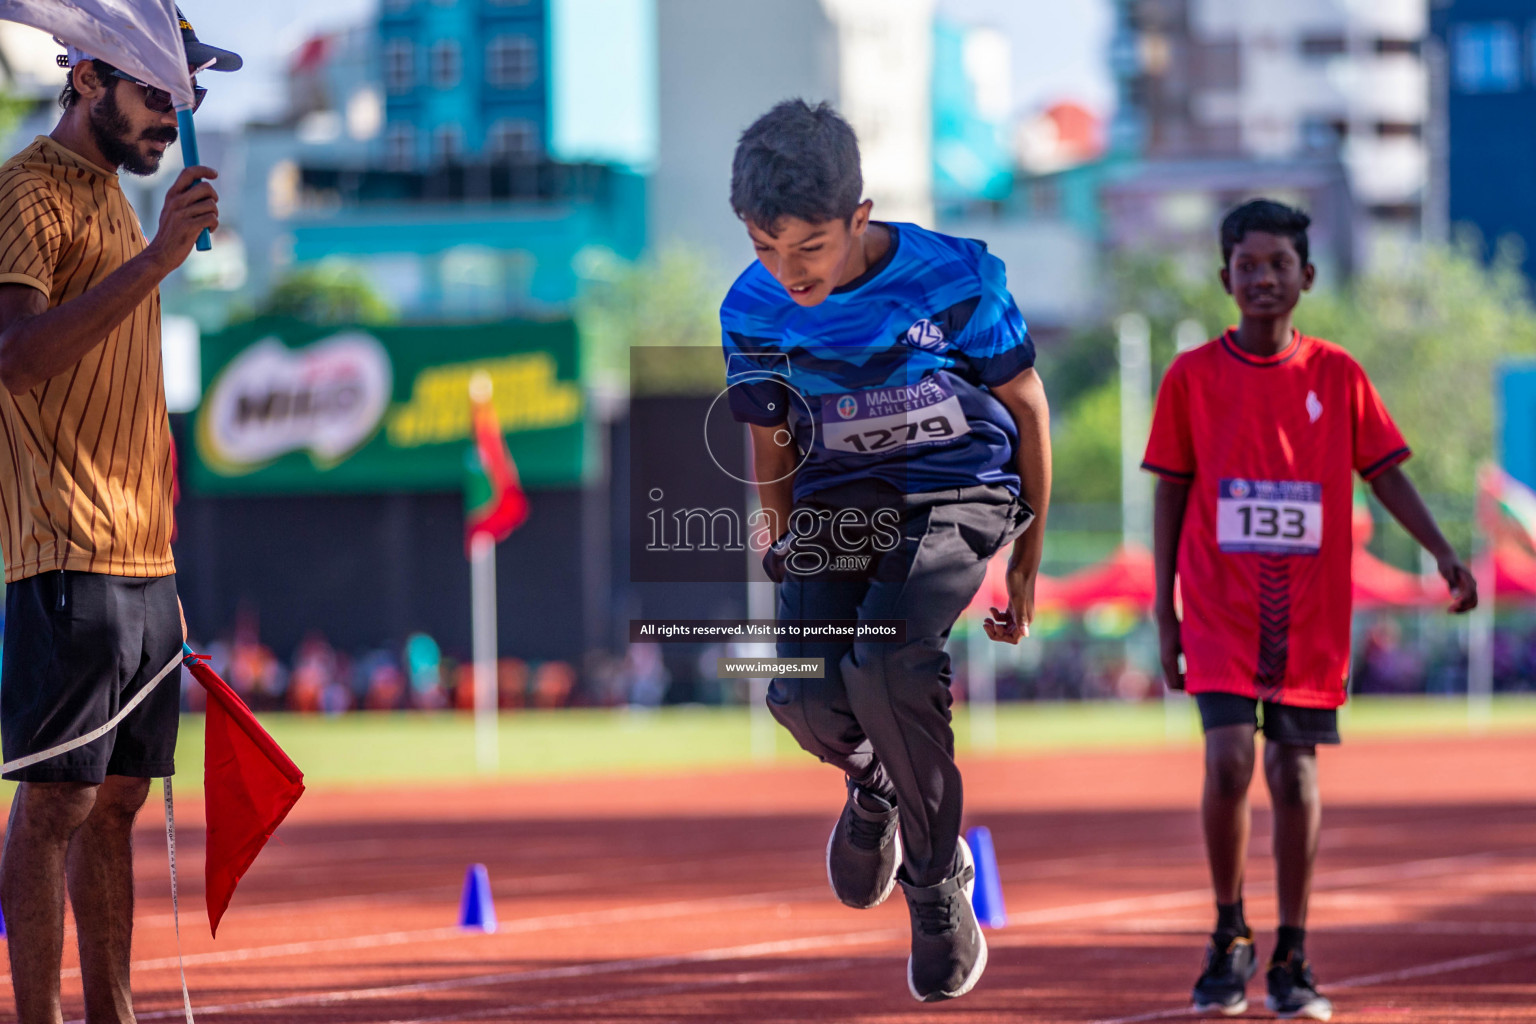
1009,625
1462,586
183,613
191,206
1171,648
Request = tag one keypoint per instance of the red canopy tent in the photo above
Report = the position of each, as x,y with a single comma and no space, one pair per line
1377,584
1127,577
1514,574
994,589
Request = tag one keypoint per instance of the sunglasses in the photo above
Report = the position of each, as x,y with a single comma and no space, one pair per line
158,100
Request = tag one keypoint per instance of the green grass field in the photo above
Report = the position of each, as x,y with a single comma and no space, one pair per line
365,749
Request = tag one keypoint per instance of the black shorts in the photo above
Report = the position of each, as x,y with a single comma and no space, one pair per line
1282,723
78,646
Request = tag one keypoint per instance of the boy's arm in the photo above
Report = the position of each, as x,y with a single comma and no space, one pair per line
773,467
1167,524
1024,398
1397,493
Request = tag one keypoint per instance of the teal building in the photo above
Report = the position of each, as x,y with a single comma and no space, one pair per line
464,80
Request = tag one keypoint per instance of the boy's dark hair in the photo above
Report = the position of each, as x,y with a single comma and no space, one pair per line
1267,216
797,161
69,97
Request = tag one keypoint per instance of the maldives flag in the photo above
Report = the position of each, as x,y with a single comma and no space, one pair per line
249,786
494,502
1505,506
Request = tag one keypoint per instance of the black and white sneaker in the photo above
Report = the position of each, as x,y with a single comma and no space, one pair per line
1292,991
948,950
862,852
1223,983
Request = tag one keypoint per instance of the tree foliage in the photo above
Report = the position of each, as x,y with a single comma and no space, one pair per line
327,293
670,299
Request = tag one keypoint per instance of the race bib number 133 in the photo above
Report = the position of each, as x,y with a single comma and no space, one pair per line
1280,517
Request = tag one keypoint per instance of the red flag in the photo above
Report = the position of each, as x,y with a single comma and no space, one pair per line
249,786
493,497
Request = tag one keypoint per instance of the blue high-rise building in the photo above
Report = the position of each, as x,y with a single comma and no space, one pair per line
464,80
1489,96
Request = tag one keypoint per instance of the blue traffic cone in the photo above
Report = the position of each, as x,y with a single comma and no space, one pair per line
988,896
476,911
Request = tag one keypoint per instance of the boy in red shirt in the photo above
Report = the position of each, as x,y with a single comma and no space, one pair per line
1254,440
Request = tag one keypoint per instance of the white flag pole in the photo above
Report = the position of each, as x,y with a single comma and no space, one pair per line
482,584
1480,635
981,685
482,575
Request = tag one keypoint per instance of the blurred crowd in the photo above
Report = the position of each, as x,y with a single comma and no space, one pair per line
1393,654
321,679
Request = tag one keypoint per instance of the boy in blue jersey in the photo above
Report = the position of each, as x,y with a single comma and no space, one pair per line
900,438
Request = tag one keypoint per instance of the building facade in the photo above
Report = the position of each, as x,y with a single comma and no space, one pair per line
872,59
463,80
1306,80
416,149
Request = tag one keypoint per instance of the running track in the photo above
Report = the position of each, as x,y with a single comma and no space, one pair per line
703,899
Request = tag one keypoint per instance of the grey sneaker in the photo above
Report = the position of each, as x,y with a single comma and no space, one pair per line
862,852
948,950
1293,992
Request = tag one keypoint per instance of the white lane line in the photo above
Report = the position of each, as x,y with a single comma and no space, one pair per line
614,915
1443,967
587,970
1331,880
1051,915
1462,963
1201,928
646,992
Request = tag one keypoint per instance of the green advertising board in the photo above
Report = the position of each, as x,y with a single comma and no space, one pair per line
291,407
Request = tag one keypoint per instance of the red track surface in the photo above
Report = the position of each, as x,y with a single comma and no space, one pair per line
704,899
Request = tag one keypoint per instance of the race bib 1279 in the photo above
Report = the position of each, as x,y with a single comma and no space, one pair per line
1280,517
880,420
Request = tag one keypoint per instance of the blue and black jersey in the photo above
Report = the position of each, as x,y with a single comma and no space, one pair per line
888,378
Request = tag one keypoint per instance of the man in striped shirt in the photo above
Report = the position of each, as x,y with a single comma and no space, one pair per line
85,519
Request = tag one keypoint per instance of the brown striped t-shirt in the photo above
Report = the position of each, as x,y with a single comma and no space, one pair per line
85,457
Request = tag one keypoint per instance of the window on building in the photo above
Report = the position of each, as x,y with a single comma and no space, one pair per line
400,146
513,139
1319,47
446,63
447,144
1399,130
511,61
1486,57
1323,132
1410,47
399,65
1218,64
1397,213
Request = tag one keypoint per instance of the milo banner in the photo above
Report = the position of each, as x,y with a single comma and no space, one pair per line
297,407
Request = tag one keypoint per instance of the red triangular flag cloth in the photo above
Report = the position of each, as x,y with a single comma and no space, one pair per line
494,501
249,786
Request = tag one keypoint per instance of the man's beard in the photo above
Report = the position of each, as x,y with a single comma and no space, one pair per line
110,130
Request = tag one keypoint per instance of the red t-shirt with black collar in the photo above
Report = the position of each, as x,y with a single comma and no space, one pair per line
1268,447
